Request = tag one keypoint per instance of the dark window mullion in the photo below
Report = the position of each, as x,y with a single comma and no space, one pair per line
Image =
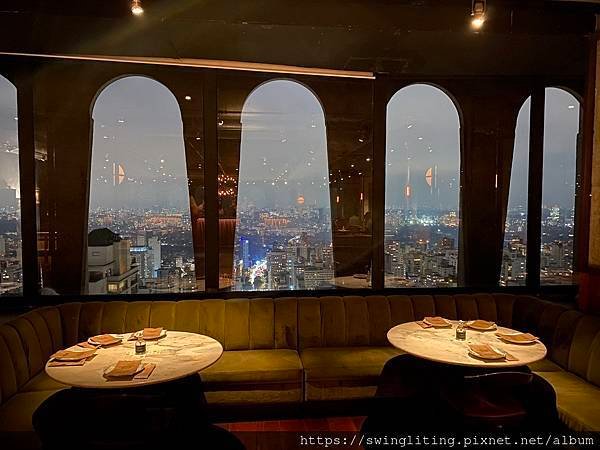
535,186
211,185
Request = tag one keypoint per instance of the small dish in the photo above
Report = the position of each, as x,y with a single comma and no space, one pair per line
437,322
72,355
481,325
486,352
135,335
134,371
518,338
104,339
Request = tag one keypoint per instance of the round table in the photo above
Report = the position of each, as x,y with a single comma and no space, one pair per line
177,355
440,345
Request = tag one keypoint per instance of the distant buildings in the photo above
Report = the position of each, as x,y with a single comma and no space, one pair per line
110,268
8,198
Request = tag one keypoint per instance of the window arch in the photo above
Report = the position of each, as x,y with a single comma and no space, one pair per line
11,273
422,188
514,254
283,234
140,238
561,135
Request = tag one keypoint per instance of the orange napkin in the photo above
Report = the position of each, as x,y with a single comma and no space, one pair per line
67,363
81,362
423,324
71,355
485,351
151,333
522,338
146,372
105,339
124,369
86,345
480,324
437,322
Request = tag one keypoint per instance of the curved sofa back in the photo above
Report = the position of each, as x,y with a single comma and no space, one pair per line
572,338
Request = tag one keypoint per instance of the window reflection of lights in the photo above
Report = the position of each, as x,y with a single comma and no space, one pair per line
478,14
136,7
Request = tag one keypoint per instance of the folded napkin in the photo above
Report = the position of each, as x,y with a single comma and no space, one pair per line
55,363
86,345
146,372
486,351
81,362
72,355
123,369
152,333
423,324
518,338
104,339
481,324
437,322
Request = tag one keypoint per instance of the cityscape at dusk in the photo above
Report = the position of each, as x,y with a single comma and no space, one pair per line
284,233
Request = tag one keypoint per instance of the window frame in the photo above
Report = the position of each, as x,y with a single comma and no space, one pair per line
383,88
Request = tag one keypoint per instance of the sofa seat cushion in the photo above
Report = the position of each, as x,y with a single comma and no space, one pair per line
343,372
42,382
247,369
243,377
16,413
545,365
578,401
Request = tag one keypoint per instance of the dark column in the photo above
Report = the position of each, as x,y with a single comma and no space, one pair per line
379,153
489,113
211,185
191,116
64,97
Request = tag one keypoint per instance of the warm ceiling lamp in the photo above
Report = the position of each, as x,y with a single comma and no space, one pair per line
478,14
136,7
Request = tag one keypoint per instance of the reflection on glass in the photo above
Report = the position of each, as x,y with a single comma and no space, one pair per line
11,275
514,254
283,230
422,189
140,238
558,197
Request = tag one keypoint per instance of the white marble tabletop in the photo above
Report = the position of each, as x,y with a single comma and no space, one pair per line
440,345
176,356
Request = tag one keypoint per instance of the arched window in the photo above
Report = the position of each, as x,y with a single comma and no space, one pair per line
283,232
140,238
561,134
514,256
11,275
422,188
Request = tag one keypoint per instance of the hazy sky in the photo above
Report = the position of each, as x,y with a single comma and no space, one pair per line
423,132
137,124
560,155
283,148
9,147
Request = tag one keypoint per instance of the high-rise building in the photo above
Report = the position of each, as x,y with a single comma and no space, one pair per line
8,198
110,268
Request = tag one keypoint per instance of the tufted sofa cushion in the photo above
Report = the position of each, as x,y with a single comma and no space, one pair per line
290,349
